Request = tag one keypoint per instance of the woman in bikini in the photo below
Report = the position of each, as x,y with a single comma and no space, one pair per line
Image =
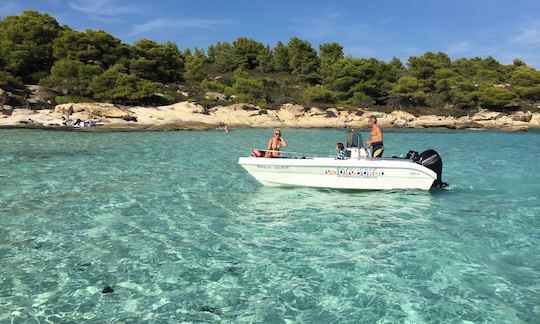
274,144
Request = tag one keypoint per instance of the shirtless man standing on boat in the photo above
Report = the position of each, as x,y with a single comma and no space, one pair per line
376,138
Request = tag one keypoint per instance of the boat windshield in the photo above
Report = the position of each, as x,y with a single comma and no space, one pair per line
354,139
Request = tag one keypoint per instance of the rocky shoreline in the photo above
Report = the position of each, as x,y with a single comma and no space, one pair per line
191,116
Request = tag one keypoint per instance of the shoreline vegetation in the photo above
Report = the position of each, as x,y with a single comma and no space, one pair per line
46,69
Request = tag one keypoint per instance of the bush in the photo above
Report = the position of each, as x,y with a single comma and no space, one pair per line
17,101
8,81
437,99
361,99
319,94
36,77
248,90
213,85
209,103
410,90
165,99
529,93
465,99
69,99
493,97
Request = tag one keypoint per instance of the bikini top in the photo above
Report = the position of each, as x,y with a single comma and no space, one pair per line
275,145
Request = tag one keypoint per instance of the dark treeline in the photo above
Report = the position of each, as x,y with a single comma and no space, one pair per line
95,66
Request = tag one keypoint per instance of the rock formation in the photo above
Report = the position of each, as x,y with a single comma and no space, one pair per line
189,115
3,97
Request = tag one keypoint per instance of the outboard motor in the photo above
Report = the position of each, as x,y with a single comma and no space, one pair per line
432,160
411,155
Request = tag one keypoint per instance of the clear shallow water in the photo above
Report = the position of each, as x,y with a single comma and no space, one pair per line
182,233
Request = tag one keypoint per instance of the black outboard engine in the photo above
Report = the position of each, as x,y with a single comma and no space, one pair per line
411,155
432,160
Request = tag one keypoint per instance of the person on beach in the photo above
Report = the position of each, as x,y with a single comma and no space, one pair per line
376,138
341,154
275,144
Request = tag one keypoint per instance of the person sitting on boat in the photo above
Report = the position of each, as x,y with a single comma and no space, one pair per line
341,154
275,144
376,138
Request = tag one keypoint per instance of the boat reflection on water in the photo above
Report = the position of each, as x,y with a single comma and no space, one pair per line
319,228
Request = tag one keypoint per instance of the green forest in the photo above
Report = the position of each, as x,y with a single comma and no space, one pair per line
92,65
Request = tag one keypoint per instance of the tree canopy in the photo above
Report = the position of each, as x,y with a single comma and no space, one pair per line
94,65
26,44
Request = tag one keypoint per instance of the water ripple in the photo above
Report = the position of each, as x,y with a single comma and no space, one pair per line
181,233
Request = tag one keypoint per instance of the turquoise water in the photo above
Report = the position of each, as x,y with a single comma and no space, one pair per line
182,233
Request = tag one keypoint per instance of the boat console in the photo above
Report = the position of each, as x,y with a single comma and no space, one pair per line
355,148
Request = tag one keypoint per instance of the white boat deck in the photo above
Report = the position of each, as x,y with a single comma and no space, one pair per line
365,173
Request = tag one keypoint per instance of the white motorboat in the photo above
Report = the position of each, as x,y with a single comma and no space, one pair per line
358,171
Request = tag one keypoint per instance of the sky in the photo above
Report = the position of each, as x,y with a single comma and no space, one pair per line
381,29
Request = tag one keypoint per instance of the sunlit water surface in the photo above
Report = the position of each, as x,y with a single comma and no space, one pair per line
182,233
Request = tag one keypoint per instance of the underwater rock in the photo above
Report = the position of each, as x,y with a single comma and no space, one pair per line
107,290
235,270
82,266
210,309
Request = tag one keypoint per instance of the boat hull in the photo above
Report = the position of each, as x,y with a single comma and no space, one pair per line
363,174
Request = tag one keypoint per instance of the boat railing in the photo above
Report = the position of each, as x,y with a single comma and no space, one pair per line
354,154
355,150
288,154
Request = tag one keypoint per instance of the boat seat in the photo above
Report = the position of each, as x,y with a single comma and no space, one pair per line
257,153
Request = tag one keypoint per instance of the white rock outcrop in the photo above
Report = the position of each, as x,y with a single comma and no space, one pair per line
186,107
191,115
215,95
83,110
3,97
486,115
290,112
